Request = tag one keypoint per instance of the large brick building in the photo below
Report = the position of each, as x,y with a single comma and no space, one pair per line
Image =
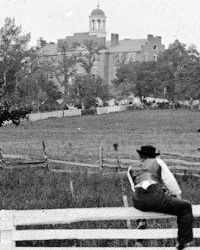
115,50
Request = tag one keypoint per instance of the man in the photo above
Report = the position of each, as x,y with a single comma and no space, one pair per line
156,189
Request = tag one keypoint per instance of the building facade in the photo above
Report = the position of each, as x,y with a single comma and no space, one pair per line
114,52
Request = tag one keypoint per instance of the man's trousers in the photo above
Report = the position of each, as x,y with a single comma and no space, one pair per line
154,199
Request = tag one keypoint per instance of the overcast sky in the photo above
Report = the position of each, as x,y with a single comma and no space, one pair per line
55,19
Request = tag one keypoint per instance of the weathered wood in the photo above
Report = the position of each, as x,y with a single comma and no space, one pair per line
70,215
103,234
74,163
102,248
7,229
181,155
138,168
36,217
137,162
182,162
11,156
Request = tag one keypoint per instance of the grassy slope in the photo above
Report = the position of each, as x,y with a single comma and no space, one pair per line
79,138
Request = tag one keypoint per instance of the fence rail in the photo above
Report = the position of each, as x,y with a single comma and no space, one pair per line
10,219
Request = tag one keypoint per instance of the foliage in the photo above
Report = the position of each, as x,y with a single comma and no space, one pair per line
63,68
175,75
85,90
14,112
142,79
34,85
88,54
13,51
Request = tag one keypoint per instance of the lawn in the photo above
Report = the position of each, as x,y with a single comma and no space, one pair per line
79,138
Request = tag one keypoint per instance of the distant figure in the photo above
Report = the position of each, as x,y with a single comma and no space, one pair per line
198,130
156,189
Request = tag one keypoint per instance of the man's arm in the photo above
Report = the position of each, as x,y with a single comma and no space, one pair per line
169,179
130,178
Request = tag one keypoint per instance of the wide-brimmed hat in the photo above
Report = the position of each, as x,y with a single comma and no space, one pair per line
149,151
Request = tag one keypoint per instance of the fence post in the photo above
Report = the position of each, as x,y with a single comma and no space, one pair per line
71,186
6,230
101,159
1,158
44,155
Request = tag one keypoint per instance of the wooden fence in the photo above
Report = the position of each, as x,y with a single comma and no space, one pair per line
59,113
110,109
11,219
74,112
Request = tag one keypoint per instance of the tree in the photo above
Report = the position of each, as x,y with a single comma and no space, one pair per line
85,90
140,78
88,54
169,64
63,69
35,86
13,49
188,86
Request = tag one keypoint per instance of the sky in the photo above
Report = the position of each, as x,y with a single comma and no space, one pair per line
133,19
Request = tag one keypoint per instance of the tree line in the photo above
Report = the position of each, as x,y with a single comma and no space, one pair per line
175,75
31,82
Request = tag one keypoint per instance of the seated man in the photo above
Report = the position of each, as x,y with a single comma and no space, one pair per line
156,189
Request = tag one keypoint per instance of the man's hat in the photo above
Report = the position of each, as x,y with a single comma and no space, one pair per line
149,151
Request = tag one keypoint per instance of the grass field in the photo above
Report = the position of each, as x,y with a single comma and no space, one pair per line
78,139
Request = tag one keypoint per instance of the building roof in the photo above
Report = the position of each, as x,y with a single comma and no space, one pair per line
97,12
79,38
127,45
49,49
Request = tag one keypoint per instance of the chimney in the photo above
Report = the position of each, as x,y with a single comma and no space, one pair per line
42,42
158,38
114,39
149,37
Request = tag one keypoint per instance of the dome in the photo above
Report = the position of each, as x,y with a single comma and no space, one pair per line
97,12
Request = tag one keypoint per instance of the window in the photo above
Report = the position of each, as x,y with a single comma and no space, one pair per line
93,24
155,58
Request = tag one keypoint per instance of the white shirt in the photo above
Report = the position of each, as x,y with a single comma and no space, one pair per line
166,176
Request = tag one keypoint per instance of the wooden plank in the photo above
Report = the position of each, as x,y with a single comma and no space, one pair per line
69,171
10,156
125,161
74,163
103,234
182,162
70,215
180,155
6,230
62,216
10,167
137,162
101,248
139,168
184,168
